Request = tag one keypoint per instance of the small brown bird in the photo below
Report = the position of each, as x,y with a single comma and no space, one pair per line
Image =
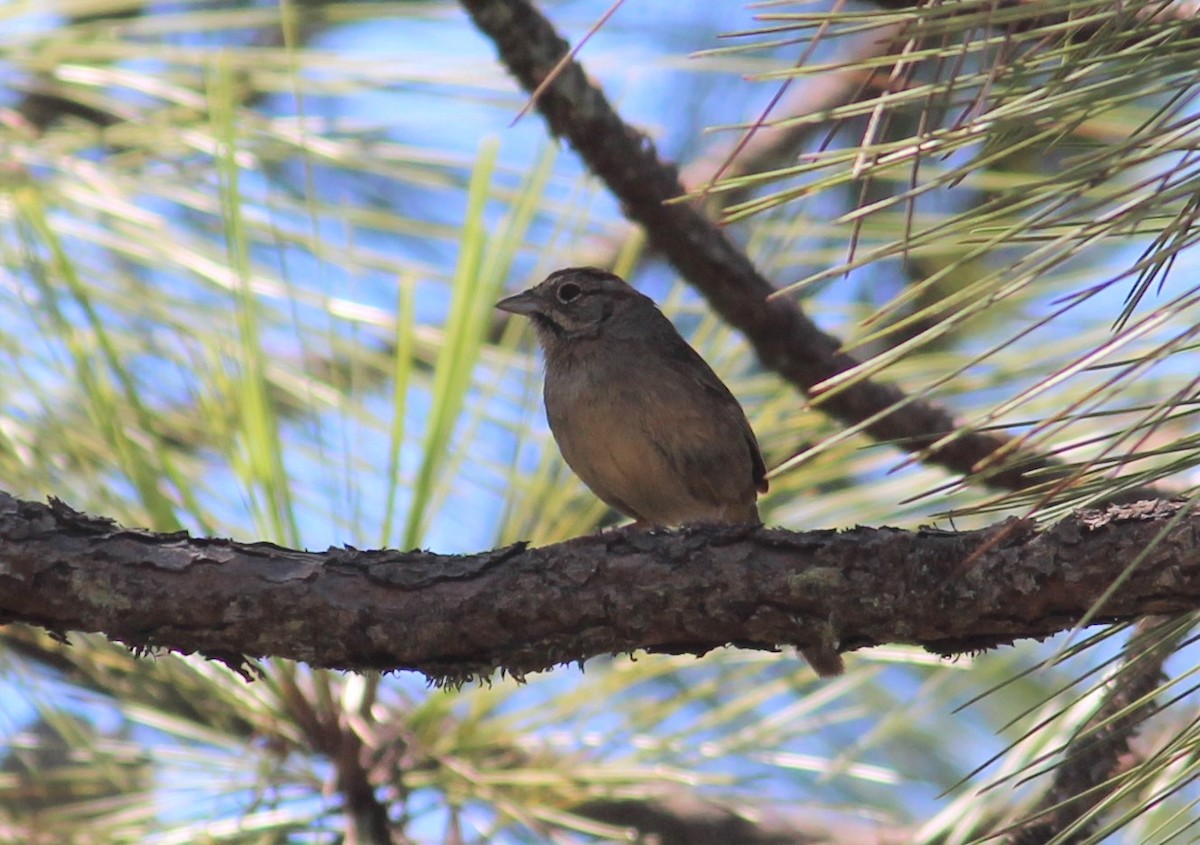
638,414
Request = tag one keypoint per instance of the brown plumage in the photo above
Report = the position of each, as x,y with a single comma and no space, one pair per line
636,412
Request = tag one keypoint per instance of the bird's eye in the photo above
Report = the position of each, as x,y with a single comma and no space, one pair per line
568,291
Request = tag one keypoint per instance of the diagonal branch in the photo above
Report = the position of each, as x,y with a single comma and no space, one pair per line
1087,777
784,338
520,610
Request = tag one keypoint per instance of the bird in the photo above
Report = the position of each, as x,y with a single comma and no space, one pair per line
638,415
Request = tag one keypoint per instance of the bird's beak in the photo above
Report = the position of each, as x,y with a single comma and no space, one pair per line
522,303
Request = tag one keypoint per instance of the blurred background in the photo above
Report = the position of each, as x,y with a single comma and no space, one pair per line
248,257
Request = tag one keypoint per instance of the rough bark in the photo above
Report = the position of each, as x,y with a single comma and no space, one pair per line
518,609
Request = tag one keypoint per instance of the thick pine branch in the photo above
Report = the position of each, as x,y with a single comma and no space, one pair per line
519,610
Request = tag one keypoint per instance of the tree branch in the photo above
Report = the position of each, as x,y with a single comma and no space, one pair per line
1088,774
456,618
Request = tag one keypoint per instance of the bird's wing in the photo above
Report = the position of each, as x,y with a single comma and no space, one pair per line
717,418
